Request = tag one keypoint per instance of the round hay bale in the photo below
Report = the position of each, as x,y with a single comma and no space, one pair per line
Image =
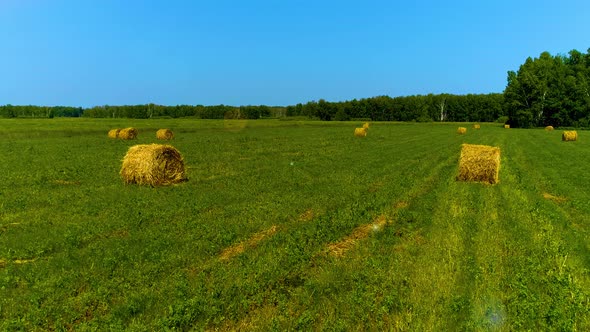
113,133
569,135
366,125
549,128
153,164
507,126
165,134
461,130
127,133
480,163
476,126
360,132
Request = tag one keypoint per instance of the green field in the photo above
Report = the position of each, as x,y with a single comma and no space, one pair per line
292,225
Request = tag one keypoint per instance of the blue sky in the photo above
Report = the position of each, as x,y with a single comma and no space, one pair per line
115,52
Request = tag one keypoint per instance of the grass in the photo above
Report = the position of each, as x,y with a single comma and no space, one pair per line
246,243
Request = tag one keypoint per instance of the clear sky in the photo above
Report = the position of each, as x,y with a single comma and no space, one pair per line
271,52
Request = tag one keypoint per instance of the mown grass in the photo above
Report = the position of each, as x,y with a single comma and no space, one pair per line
81,251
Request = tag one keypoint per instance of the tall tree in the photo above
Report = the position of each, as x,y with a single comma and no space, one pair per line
549,90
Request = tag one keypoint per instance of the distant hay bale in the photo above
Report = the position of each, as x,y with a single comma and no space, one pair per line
360,132
570,135
366,125
153,164
127,133
549,128
113,133
480,163
461,130
476,126
507,126
165,134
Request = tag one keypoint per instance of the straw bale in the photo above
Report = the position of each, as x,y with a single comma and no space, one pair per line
480,163
113,133
476,126
127,133
507,126
570,135
461,130
164,134
153,164
366,125
360,132
549,128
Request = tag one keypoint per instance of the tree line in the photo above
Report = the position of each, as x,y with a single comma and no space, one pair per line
421,108
30,111
179,111
442,107
548,90
143,111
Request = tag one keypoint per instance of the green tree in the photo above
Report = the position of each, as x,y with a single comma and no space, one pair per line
549,90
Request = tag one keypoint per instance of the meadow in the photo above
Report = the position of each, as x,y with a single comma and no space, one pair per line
292,225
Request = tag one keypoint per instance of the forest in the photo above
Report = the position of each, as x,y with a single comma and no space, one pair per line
548,90
443,107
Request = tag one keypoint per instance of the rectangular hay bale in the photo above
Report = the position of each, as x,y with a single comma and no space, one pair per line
479,163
